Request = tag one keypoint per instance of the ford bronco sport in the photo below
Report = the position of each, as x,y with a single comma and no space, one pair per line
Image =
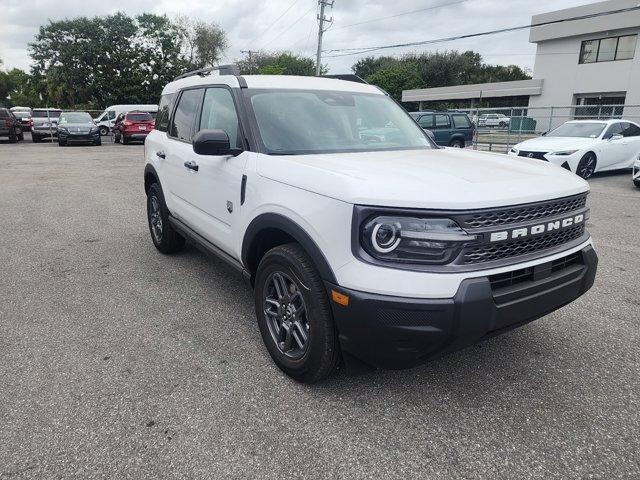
378,249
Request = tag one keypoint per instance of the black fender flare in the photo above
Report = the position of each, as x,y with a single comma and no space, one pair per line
285,224
149,170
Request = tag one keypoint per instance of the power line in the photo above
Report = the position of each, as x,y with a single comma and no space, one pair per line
289,27
357,51
276,20
434,7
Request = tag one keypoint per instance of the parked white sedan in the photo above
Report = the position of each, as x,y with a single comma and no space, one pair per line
586,146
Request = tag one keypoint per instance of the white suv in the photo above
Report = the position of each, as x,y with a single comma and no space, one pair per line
363,240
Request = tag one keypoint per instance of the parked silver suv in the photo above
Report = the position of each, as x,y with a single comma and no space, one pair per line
45,123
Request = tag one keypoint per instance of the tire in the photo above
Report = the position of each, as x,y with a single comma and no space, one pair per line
62,143
636,183
98,142
35,138
587,165
307,360
125,140
456,143
21,137
13,138
163,235
104,131
502,124
116,138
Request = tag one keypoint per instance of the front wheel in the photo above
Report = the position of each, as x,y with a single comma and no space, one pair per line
163,235
636,183
104,131
294,315
587,165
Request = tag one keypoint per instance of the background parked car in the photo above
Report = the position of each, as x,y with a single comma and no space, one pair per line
133,126
635,174
10,126
45,123
586,146
23,114
449,129
77,127
107,119
494,120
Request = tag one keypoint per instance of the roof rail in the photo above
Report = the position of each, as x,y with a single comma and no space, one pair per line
223,69
349,77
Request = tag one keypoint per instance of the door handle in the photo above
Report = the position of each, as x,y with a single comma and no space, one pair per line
191,165
161,154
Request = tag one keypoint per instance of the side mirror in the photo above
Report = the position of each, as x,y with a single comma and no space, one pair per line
615,137
213,142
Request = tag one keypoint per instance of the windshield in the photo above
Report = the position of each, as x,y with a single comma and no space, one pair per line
303,121
43,113
583,129
139,117
75,117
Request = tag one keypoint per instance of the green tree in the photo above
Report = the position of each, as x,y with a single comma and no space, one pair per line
394,80
278,63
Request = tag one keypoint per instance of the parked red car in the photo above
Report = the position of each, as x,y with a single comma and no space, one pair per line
133,126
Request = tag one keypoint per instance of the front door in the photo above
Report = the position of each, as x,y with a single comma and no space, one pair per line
214,190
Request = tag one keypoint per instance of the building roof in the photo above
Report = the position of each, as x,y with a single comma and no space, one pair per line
477,90
615,21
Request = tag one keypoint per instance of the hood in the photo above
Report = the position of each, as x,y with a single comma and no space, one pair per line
550,144
438,178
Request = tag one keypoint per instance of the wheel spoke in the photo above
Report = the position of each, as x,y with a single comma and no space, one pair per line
280,286
272,302
302,330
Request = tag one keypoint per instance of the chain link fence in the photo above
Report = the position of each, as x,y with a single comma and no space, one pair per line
497,129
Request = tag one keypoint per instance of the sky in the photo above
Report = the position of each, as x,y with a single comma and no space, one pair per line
291,24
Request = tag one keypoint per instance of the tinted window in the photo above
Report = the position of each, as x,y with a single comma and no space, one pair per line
630,130
139,117
164,111
219,113
442,121
184,116
615,129
111,114
461,121
75,117
4,113
426,121
578,129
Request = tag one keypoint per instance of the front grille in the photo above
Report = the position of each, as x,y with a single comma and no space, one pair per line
505,216
514,248
538,155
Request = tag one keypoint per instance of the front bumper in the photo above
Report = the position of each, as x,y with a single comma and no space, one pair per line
136,135
79,137
396,332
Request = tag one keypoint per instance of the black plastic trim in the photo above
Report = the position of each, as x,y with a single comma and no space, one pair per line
280,222
243,189
397,332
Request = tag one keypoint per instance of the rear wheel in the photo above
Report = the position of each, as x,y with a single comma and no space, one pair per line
502,124
104,130
294,315
116,138
456,143
35,138
125,140
587,165
637,183
21,136
163,235
62,143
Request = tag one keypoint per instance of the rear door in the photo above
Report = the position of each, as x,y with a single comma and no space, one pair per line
631,133
179,180
442,128
462,126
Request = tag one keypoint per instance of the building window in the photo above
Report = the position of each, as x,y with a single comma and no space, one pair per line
608,49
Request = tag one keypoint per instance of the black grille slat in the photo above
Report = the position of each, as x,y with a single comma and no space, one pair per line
514,248
515,215
536,155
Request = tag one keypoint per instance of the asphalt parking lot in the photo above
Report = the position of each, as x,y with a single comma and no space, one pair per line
119,362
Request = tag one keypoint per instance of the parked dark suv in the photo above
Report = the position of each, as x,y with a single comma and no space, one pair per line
10,126
449,128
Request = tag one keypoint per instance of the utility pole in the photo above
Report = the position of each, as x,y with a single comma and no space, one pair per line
321,21
249,53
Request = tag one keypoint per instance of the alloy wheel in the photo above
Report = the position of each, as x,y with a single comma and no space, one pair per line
286,315
155,218
587,167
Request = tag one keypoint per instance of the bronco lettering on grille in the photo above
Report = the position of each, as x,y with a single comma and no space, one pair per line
525,232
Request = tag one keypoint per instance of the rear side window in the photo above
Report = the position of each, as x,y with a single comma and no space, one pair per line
442,121
185,114
461,121
219,113
630,130
164,111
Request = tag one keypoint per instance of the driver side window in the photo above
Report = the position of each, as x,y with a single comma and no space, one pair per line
615,129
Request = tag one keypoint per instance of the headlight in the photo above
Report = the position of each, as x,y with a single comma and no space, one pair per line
63,129
514,150
563,153
413,240
94,130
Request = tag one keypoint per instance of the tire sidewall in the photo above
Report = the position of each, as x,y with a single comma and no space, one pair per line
277,261
156,191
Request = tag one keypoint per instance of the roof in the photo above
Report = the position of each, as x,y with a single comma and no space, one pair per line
272,81
476,90
615,21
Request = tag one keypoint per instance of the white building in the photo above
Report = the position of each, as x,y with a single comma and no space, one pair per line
592,60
